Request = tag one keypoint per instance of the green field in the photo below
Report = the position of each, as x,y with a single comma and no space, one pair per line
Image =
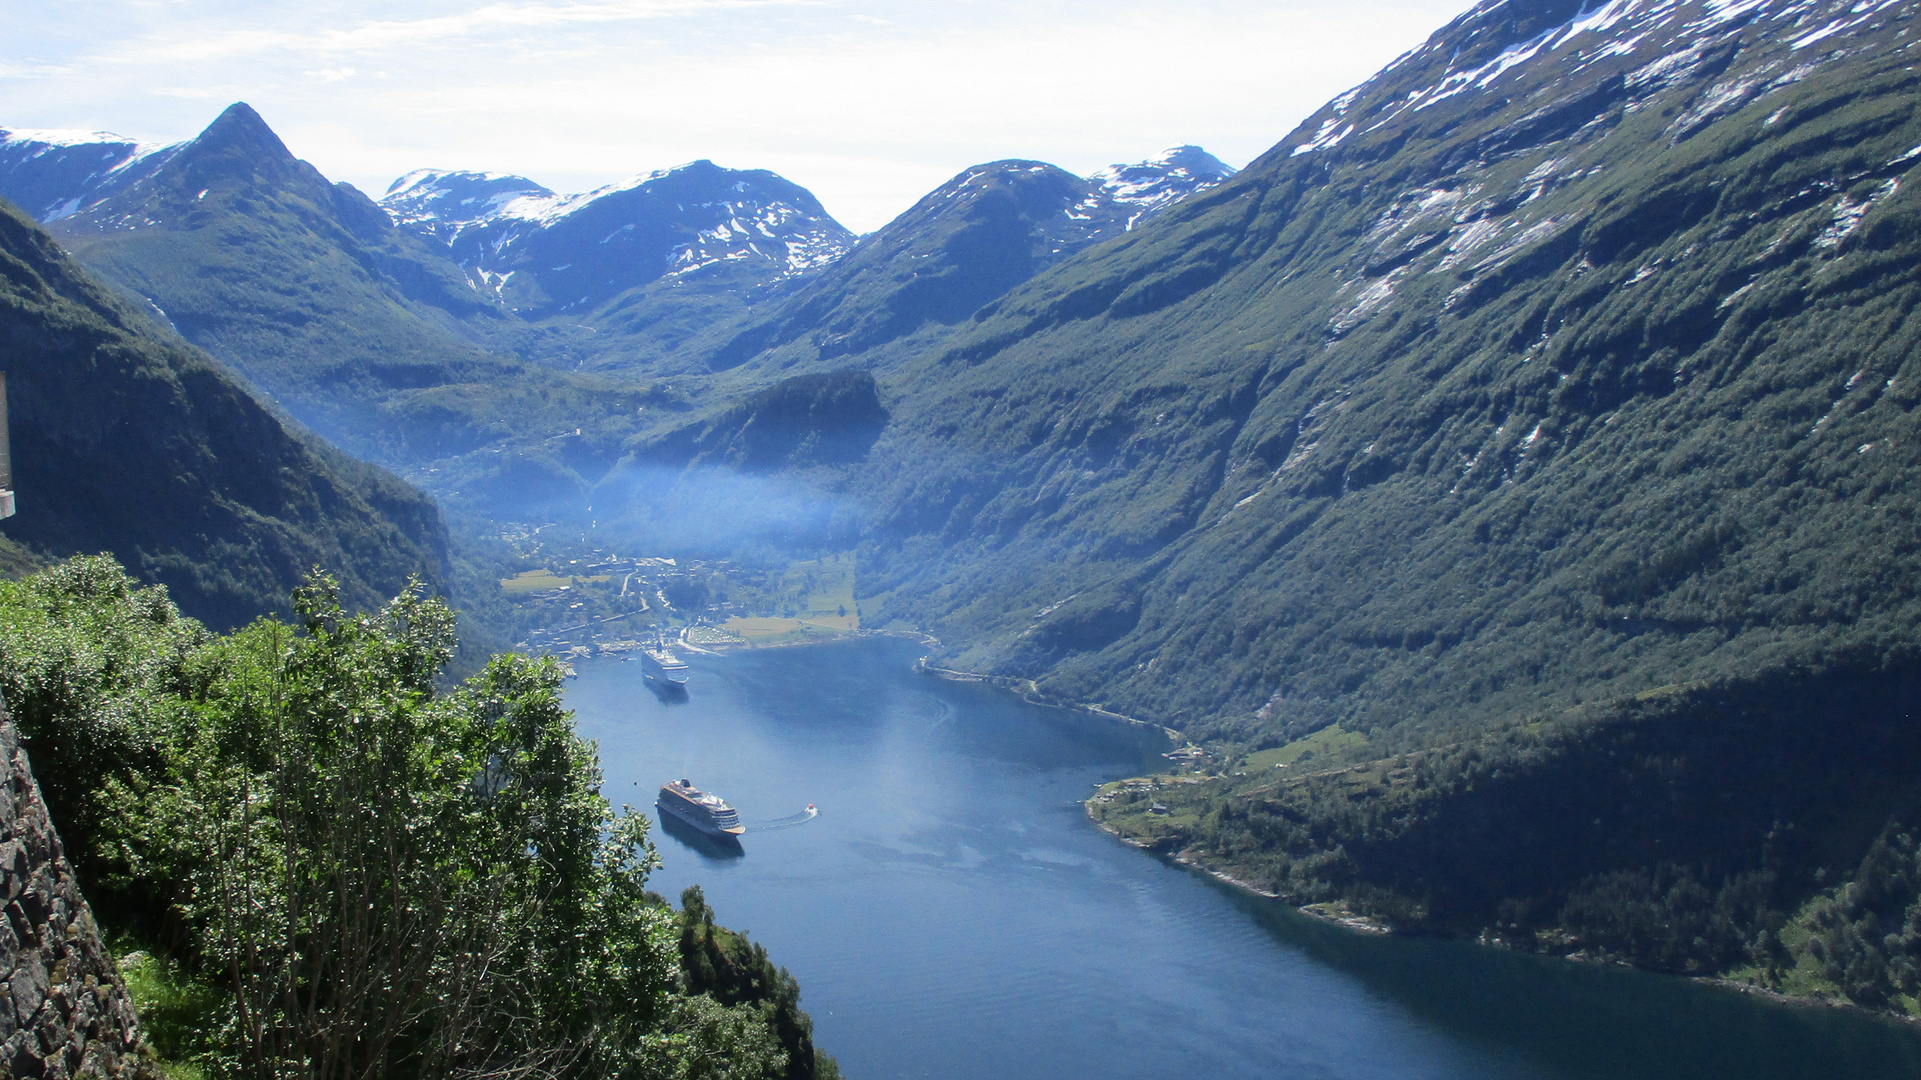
1330,745
771,630
821,592
537,580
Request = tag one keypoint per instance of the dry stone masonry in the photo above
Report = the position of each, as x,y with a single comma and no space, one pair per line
64,1011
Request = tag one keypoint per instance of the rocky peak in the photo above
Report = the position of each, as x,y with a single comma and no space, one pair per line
1162,180
240,131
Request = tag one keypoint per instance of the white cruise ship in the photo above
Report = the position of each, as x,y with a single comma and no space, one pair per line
662,664
704,810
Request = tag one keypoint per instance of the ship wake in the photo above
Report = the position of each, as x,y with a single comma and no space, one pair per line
787,822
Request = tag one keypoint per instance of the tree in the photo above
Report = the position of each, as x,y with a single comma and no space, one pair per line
401,882
363,871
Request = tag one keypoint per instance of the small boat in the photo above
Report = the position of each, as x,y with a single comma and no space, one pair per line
704,810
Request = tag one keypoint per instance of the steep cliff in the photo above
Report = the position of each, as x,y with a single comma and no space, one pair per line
66,1011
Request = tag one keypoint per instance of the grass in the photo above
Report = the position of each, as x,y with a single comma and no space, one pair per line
1330,745
538,580
176,1013
534,581
772,630
825,591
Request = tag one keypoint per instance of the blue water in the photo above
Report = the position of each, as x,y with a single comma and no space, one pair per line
952,913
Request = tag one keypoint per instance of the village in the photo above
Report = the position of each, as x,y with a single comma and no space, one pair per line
578,601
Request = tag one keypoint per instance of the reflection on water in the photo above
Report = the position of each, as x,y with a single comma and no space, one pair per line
667,693
952,913
707,846
1599,1021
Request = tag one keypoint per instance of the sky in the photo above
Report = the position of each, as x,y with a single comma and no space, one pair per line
869,104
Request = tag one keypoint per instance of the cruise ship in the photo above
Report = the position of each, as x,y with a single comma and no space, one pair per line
662,664
704,810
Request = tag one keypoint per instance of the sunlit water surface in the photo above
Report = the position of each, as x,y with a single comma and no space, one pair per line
951,912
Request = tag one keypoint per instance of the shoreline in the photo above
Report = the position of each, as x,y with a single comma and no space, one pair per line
1362,925
1356,923
1027,691
839,637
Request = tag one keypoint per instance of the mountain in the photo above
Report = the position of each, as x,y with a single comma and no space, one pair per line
127,440
360,330
624,277
444,205
545,254
438,331
1426,353
1162,180
956,251
1531,430
52,174
662,271
1522,451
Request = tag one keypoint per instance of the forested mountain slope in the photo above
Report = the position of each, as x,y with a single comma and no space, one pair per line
127,440
1569,357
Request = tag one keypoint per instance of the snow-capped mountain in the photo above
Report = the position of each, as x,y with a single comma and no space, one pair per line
1162,180
962,246
54,174
445,204
545,253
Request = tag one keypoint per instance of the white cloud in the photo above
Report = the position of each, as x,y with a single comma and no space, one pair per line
869,103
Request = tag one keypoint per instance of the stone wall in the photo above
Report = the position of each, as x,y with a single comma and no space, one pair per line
64,1011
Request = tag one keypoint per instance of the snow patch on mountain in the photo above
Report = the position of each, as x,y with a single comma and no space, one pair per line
450,202
592,245
1150,186
54,173
41,140
1676,36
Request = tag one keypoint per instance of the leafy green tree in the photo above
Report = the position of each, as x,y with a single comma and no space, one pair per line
373,873
397,881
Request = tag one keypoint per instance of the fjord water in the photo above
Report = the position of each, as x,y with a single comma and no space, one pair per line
951,912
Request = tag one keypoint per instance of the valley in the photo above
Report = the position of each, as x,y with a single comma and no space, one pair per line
1508,481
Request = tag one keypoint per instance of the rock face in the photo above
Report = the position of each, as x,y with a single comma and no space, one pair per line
65,1011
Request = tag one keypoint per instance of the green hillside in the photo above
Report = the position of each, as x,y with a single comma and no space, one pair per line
433,883
1411,433
129,441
